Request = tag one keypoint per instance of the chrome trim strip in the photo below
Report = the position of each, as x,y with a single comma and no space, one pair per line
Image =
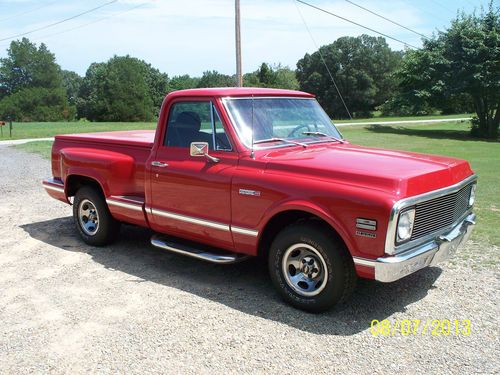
54,188
247,232
189,219
129,206
390,248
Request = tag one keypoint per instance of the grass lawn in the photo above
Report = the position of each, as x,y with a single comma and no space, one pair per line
450,138
23,130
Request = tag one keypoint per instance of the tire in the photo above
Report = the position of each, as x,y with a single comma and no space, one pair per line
311,267
92,218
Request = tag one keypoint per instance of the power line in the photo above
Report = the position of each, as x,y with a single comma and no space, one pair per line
27,11
387,19
59,22
93,22
323,60
357,24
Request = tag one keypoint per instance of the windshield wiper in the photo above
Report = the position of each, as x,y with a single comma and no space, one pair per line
320,134
269,140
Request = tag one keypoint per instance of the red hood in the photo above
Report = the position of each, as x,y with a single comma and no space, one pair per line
397,172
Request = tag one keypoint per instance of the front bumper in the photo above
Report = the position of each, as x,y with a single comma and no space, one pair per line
442,248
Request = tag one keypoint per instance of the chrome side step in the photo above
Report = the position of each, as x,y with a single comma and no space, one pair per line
205,253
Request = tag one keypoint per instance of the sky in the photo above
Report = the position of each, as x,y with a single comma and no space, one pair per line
193,36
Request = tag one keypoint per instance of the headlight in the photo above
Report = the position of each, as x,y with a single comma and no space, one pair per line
472,196
405,225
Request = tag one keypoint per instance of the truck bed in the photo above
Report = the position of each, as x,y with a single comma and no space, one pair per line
138,138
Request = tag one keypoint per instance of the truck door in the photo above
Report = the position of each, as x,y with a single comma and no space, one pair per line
190,195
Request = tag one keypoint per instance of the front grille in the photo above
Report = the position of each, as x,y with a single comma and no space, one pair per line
439,213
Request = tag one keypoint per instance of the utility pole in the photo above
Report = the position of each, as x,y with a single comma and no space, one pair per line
239,76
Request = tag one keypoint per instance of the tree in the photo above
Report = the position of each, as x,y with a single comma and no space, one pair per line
363,71
461,62
276,76
122,89
215,79
182,83
71,81
31,84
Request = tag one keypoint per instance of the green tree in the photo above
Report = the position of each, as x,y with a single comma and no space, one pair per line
215,79
459,65
182,83
31,84
71,81
362,68
276,76
122,89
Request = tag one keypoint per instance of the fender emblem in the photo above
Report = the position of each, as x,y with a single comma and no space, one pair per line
366,234
253,193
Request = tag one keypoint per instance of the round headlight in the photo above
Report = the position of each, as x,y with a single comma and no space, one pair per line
472,196
405,225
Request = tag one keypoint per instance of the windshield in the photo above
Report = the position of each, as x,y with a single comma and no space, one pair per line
285,118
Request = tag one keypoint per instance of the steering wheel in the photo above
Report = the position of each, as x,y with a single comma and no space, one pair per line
292,134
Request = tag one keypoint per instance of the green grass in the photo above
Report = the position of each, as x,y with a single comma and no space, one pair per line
450,138
409,118
24,130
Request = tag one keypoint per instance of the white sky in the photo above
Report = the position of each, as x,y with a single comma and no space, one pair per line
192,36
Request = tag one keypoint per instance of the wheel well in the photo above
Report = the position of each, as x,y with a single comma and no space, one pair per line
284,219
75,182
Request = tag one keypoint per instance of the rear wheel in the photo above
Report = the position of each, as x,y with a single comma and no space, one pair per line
92,217
311,267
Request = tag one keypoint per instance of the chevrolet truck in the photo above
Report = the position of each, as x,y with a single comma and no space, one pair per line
232,173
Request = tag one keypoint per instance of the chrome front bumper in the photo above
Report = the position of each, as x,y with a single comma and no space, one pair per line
442,248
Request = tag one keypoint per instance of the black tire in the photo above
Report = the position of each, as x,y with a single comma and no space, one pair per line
106,229
317,240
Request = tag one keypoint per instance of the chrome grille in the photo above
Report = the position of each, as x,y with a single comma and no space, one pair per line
439,213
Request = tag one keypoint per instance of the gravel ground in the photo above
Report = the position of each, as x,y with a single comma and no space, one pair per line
66,307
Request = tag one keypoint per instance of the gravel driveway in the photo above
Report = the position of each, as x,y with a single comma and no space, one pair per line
66,307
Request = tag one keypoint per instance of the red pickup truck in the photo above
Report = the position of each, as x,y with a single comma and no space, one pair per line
238,172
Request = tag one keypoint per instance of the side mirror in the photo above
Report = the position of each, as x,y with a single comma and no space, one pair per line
201,149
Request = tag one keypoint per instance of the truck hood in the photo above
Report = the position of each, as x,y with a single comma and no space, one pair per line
399,173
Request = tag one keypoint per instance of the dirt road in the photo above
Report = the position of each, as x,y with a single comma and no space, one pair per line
66,307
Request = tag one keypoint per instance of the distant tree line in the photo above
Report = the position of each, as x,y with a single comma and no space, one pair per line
455,71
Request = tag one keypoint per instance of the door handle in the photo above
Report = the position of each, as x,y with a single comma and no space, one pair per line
159,164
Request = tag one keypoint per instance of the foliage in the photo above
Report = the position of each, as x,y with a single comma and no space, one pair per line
276,76
182,83
72,82
122,89
458,67
215,79
362,68
31,84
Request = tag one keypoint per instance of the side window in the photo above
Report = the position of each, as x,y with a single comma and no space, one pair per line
189,122
195,122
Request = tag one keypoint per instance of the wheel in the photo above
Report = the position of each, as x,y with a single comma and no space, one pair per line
311,267
92,217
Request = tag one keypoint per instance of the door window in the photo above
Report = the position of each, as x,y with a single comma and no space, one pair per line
195,122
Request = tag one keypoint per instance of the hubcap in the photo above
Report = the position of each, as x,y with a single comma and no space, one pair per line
304,269
88,217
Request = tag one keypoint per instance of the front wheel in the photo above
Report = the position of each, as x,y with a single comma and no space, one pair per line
92,218
311,267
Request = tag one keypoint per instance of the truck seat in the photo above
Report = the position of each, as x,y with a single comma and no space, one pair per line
186,129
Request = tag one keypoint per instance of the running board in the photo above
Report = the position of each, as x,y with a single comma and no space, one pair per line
203,252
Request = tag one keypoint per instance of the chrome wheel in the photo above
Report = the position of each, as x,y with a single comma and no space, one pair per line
88,217
304,269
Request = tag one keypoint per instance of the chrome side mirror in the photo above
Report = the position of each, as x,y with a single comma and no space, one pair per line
201,149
